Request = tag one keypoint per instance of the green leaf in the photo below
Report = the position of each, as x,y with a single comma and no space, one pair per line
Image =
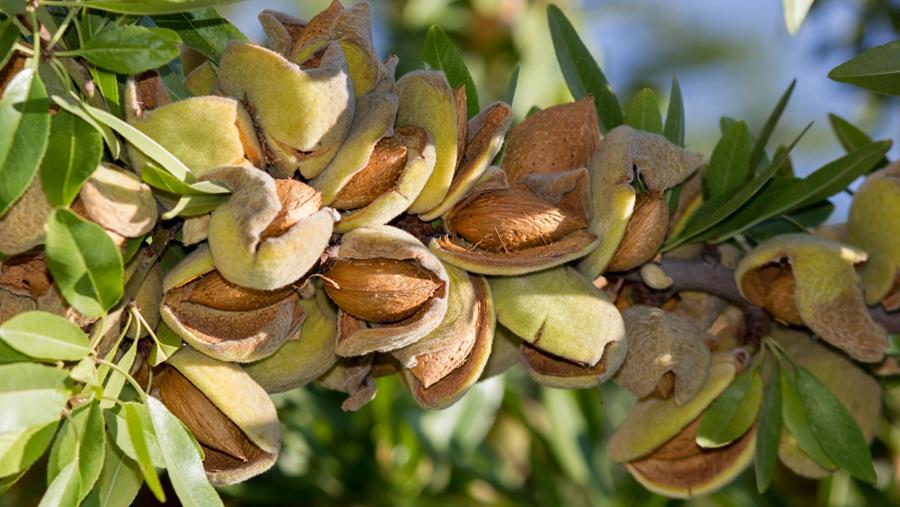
119,481
116,380
851,137
65,488
834,428
43,335
192,205
642,112
732,413
759,148
130,49
788,194
512,85
11,355
440,54
876,70
85,263
138,139
168,344
163,180
139,443
795,12
797,421
674,128
12,7
768,432
108,84
729,165
203,30
81,440
28,446
109,138
581,71
182,459
24,128
797,221
152,6
85,372
9,34
118,430
73,153
722,206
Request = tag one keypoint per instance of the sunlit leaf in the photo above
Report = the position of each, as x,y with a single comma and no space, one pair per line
24,129
795,12
877,70
81,440
65,488
119,481
136,434
43,335
581,71
86,265
130,49
163,180
73,153
152,6
759,148
182,459
732,413
26,447
203,30
168,344
440,54
116,380
511,85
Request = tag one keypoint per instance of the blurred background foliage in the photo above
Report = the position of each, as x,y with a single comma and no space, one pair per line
509,441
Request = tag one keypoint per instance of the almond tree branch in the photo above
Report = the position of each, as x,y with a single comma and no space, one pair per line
707,275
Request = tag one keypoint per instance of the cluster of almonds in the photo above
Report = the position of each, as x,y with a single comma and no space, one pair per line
368,234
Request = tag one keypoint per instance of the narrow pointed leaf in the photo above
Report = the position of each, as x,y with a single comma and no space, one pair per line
65,488
139,444
642,112
81,440
675,126
732,413
851,137
511,85
86,265
203,30
152,6
834,427
581,71
24,128
768,432
877,70
797,420
9,34
759,149
795,12
440,54
43,335
30,445
119,481
182,459
729,165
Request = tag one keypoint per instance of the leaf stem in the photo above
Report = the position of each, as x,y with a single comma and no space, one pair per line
137,387
61,30
36,39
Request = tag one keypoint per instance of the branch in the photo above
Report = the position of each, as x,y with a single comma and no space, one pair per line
709,276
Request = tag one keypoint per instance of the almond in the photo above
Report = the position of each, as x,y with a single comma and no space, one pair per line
380,290
376,178
298,201
215,292
644,233
510,219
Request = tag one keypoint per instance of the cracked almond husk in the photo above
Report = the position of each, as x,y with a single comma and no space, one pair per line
857,390
302,114
872,225
26,284
353,376
682,469
561,313
644,234
390,289
304,357
653,421
24,225
551,371
552,140
809,280
539,223
230,415
118,201
224,320
623,155
441,377
203,132
270,232
667,355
